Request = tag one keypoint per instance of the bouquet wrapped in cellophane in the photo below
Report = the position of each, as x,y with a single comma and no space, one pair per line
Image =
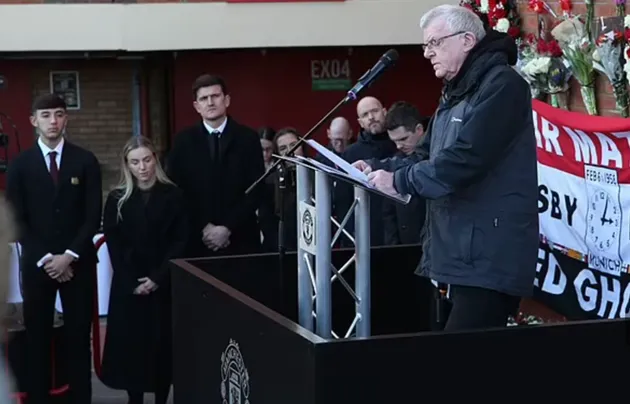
578,50
541,64
608,59
626,51
534,69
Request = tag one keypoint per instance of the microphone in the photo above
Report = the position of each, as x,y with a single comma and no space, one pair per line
388,59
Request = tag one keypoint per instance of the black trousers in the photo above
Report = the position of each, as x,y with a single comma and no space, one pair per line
39,303
478,308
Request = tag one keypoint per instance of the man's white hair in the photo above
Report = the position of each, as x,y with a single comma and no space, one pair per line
457,18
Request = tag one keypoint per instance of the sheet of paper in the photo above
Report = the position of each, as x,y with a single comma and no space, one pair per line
338,161
404,199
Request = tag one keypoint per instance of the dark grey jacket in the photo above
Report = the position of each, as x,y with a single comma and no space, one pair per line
480,178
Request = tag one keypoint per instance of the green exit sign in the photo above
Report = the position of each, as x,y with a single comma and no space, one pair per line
330,75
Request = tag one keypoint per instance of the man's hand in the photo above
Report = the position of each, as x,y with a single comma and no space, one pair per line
362,166
383,181
146,286
58,267
219,237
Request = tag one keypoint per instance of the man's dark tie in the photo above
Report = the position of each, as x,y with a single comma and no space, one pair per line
215,145
54,169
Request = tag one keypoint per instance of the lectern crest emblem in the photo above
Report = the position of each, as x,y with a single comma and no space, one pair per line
235,379
307,227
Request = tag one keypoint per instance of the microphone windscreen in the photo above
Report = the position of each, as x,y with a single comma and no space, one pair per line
391,56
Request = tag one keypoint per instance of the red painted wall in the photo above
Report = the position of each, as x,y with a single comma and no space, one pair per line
274,88
15,101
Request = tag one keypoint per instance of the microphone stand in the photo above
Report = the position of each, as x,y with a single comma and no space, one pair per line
388,59
302,139
281,168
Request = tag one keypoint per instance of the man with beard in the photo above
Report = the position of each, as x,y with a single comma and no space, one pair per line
481,173
373,143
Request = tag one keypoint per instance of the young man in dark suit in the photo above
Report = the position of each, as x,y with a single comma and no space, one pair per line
214,162
55,190
403,223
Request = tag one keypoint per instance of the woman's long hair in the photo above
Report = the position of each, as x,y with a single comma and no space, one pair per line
127,181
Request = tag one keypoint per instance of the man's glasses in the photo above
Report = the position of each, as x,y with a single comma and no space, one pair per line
437,42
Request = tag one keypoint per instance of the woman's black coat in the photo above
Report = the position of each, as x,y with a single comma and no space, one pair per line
152,231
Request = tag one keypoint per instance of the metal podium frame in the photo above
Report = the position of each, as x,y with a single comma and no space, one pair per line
315,281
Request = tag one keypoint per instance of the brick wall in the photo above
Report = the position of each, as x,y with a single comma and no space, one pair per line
603,8
105,121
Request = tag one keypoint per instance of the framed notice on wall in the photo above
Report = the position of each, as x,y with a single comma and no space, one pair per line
66,85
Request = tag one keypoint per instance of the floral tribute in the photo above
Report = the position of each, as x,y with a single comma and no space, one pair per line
626,53
522,319
541,64
578,51
500,15
609,49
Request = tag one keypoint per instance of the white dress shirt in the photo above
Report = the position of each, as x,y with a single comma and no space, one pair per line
46,151
220,129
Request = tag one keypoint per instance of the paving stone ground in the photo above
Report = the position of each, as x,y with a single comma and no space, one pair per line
104,395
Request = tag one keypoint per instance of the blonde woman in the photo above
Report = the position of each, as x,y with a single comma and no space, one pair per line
145,226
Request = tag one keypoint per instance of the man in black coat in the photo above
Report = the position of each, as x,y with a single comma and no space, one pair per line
373,142
403,223
55,191
481,175
214,162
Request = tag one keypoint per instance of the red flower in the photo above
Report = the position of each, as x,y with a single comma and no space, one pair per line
537,6
497,13
548,48
565,5
514,31
530,39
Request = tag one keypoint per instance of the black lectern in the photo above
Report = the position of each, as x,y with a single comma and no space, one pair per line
236,340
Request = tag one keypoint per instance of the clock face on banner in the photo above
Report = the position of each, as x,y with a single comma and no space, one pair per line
603,221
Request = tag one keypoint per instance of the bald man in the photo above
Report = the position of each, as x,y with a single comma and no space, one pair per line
373,142
339,134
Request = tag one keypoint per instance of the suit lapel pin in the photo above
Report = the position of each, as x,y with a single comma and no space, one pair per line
74,181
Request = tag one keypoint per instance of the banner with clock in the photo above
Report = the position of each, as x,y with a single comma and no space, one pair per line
584,211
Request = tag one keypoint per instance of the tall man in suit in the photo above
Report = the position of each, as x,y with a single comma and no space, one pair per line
55,190
214,162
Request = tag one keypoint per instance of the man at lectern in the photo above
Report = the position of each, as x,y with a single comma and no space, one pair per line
480,176
55,191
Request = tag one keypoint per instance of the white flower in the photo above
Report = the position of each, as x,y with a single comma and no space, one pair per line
596,56
503,25
484,7
626,21
537,66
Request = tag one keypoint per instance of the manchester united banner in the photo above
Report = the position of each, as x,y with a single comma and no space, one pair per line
584,210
